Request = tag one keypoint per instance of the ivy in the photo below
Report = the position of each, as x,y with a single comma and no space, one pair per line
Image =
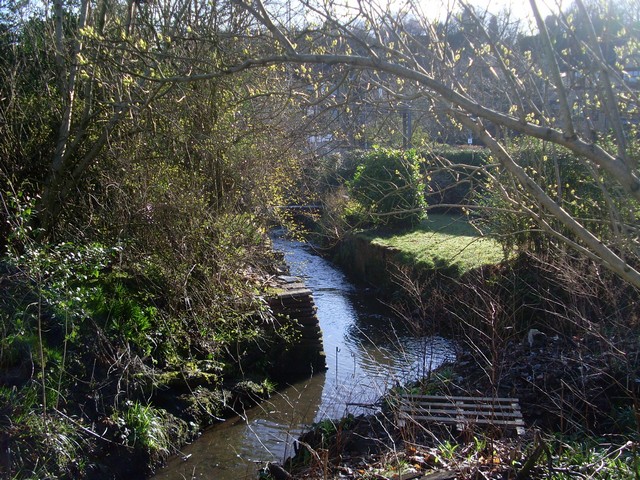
387,183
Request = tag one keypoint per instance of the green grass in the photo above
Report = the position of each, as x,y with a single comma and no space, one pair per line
442,242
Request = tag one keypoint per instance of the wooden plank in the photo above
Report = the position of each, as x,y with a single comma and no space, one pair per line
449,420
462,412
456,399
454,421
466,408
481,407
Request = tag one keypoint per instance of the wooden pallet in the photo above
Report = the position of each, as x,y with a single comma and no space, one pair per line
463,411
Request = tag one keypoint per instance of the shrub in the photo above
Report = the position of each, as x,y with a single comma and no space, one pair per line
586,195
387,184
457,155
142,428
452,174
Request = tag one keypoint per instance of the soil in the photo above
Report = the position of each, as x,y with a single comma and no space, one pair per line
564,384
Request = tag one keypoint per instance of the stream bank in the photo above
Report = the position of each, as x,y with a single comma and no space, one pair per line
561,337
193,399
368,351
578,426
563,341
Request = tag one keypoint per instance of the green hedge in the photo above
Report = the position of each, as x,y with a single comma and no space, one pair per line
388,184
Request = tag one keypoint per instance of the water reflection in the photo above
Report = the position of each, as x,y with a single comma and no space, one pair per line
367,350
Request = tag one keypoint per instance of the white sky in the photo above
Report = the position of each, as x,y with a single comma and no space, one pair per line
520,9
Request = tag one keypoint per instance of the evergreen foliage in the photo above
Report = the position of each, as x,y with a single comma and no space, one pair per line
388,185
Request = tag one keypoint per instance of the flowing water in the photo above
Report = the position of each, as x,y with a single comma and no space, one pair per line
368,351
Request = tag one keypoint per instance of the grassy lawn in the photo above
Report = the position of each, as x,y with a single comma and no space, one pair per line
442,241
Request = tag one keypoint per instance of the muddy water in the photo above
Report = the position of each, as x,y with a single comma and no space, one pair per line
368,352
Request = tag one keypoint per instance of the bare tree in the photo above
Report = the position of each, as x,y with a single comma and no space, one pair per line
533,95
562,84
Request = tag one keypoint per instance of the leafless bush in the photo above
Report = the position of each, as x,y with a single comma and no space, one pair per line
556,331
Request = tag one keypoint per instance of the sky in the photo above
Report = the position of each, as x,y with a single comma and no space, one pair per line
521,9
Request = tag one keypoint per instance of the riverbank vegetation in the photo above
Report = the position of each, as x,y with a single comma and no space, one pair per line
118,363
134,256
536,323
147,146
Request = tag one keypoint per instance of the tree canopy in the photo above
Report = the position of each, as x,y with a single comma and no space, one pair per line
562,85
91,83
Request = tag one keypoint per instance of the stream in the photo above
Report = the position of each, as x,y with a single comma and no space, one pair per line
368,352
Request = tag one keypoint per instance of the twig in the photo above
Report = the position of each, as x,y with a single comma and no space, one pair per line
86,430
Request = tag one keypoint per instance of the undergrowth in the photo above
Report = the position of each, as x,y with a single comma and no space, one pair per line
552,329
96,339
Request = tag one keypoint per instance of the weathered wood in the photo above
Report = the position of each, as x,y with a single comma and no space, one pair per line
465,404
459,398
468,421
462,411
465,412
